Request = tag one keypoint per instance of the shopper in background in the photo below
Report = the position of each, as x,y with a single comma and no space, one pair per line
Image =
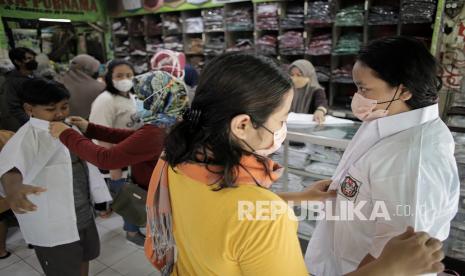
310,96
215,159
6,215
44,67
6,66
139,149
169,61
25,64
61,225
402,157
191,79
81,82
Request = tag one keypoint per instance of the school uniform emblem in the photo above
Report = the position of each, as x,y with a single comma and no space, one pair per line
350,187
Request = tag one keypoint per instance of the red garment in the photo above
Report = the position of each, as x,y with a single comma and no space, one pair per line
139,149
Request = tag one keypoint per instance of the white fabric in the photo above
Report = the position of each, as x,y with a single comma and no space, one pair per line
298,120
43,161
131,5
404,159
113,111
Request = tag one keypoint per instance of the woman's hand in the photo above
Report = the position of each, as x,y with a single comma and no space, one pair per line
319,116
81,123
57,128
318,191
412,254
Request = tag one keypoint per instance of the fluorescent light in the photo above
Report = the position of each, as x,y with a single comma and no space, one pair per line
54,20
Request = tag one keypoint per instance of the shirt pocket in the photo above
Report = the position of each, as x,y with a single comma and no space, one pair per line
60,197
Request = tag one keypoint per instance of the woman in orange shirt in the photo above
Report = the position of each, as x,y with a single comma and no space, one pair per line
209,208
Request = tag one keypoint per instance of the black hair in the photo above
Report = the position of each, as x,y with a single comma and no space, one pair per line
38,91
231,84
109,74
404,60
19,54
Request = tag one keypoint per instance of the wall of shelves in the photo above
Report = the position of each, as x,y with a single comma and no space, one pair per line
315,30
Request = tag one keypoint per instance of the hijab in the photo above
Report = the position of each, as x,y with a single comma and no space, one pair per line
303,96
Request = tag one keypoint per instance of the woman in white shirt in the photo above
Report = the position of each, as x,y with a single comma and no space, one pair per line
399,169
115,108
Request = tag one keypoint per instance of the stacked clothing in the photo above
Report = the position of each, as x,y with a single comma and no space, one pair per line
291,43
267,16
213,20
193,25
320,45
294,184
214,46
342,74
119,28
137,46
383,15
350,16
418,11
140,64
194,46
136,26
239,19
319,13
242,45
320,168
153,45
122,50
267,44
171,24
173,43
294,18
323,73
348,44
324,154
154,26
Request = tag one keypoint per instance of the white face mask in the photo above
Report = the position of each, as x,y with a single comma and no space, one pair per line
278,138
123,85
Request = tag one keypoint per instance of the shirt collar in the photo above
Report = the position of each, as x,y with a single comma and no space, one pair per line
38,123
396,123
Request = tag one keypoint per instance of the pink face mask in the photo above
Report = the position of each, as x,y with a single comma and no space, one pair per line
363,108
278,138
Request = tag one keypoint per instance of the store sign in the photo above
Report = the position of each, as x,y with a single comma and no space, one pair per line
81,10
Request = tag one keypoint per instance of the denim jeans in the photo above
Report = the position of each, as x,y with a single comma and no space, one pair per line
115,186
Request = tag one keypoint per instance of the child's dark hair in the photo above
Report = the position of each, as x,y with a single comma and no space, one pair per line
230,85
404,60
109,74
39,91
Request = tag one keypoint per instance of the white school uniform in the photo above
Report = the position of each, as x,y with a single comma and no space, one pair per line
45,162
401,165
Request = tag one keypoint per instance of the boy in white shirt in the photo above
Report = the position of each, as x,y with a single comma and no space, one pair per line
61,225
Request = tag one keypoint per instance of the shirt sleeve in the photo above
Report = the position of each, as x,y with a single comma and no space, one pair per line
272,248
143,145
107,134
102,111
320,98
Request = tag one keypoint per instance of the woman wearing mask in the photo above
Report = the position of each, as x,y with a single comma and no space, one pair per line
216,161
309,95
401,160
115,108
81,82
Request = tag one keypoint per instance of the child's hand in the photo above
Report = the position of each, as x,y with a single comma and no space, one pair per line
81,123
56,128
18,201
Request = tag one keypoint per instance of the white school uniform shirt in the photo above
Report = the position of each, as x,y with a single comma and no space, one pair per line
45,162
396,161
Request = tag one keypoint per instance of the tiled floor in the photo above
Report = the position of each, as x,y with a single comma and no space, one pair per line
117,257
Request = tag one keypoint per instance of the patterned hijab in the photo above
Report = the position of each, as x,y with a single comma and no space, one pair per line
162,98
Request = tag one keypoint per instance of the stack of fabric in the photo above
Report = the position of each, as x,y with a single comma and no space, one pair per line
119,28
213,20
342,74
214,46
122,50
242,45
321,168
171,24
239,19
294,184
137,46
267,16
194,46
323,73
154,26
267,44
348,44
291,43
319,13
350,16
418,11
153,45
173,43
193,25
320,45
136,26
294,18
383,15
